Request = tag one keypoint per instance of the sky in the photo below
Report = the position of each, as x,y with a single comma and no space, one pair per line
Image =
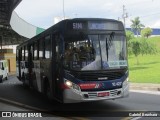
41,13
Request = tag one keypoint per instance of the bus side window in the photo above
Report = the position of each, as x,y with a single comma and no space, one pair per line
36,57
32,51
57,48
17,54
22,53
26,53
41,49
47,47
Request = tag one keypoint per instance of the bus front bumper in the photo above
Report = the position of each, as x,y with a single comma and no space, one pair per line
73,96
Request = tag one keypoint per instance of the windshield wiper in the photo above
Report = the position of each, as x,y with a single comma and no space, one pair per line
109,42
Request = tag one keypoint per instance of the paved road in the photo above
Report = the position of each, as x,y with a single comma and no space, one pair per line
13,90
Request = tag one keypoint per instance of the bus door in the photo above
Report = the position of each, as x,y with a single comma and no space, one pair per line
38,58
57,65
30,65
19,57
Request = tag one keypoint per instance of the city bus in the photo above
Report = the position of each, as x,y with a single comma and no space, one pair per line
76,60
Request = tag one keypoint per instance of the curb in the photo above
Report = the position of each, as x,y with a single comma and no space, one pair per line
145,86
146,92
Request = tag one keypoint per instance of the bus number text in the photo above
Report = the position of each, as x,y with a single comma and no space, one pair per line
77,26
116,84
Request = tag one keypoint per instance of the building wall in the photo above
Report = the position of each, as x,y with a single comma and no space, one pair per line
11,60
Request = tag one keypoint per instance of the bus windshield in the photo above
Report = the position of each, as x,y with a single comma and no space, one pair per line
95,52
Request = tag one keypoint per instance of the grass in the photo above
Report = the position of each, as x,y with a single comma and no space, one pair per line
148,70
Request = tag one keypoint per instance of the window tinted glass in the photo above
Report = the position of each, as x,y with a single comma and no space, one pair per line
47,47
41,48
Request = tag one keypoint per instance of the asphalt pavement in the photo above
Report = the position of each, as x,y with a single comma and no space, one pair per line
12,90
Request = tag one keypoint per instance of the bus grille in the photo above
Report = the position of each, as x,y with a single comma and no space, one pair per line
100,75
94,94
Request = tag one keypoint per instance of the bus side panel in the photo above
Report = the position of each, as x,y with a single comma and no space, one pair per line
46,75
36,72
22,70
41,74
18,63
57,74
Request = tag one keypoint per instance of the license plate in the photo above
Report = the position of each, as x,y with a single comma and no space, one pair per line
103,94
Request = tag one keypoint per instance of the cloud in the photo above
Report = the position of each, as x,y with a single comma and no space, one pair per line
155,24
42,12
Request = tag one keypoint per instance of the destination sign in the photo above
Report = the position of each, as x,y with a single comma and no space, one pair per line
103,26
94,25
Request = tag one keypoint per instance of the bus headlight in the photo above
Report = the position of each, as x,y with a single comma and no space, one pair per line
72,85
68,83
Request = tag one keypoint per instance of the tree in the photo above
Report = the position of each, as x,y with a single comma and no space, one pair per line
146,32
142,46
136,48
129,38
147,47
136,25
129,35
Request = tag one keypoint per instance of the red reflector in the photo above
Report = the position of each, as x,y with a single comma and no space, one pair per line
102,94
87,85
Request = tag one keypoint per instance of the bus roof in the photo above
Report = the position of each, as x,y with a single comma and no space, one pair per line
60,26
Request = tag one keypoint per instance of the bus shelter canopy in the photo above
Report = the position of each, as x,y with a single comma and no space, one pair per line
7,35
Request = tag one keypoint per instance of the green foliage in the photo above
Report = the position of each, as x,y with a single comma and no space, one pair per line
129,35
136,48
136,25
156,42
129,38
146,32
141,46
148,69
147,47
